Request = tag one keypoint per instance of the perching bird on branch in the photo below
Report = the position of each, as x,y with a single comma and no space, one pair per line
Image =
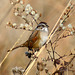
37,39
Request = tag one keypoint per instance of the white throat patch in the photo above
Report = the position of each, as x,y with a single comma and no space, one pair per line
45,29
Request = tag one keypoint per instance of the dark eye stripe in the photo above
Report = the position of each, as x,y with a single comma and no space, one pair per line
40,26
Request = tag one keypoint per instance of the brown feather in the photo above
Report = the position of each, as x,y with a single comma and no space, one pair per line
34,39
32,42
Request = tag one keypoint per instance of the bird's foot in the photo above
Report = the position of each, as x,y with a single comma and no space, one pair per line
28,54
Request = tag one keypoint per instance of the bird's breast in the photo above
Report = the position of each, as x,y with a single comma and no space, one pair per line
44,37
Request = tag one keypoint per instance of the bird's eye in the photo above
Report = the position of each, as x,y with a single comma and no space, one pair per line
41,27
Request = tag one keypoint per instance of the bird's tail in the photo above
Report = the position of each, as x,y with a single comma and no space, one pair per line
14,48
22,45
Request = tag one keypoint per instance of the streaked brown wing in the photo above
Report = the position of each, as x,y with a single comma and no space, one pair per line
31,42
34,38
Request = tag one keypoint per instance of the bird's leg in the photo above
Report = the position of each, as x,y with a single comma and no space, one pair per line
34,52
31,53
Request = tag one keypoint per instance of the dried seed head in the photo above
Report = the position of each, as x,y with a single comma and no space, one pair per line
21,2
30,28
26,25
18,1
21,25
46,70
69,4
64,13
71,32
28,9
40,15
14,24
61,21
23,17
18,70
69,26
8,23
12,3
63,27
16,13
40,66
36,16
33,12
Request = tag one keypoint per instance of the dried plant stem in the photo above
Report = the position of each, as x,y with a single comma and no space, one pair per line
7,13
11,49
49,38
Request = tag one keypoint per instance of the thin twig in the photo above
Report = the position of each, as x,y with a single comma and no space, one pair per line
28,65
50,54
71,60
11,49
52,49
7,13
61,38
34,19
61,71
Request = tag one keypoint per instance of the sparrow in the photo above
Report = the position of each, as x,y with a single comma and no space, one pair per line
36,40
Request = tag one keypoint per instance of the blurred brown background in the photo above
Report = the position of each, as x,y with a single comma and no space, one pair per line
50,10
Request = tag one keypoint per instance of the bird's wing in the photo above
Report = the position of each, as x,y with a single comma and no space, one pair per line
31,41
34,37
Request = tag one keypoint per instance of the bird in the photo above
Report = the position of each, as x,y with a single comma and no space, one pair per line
36,40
